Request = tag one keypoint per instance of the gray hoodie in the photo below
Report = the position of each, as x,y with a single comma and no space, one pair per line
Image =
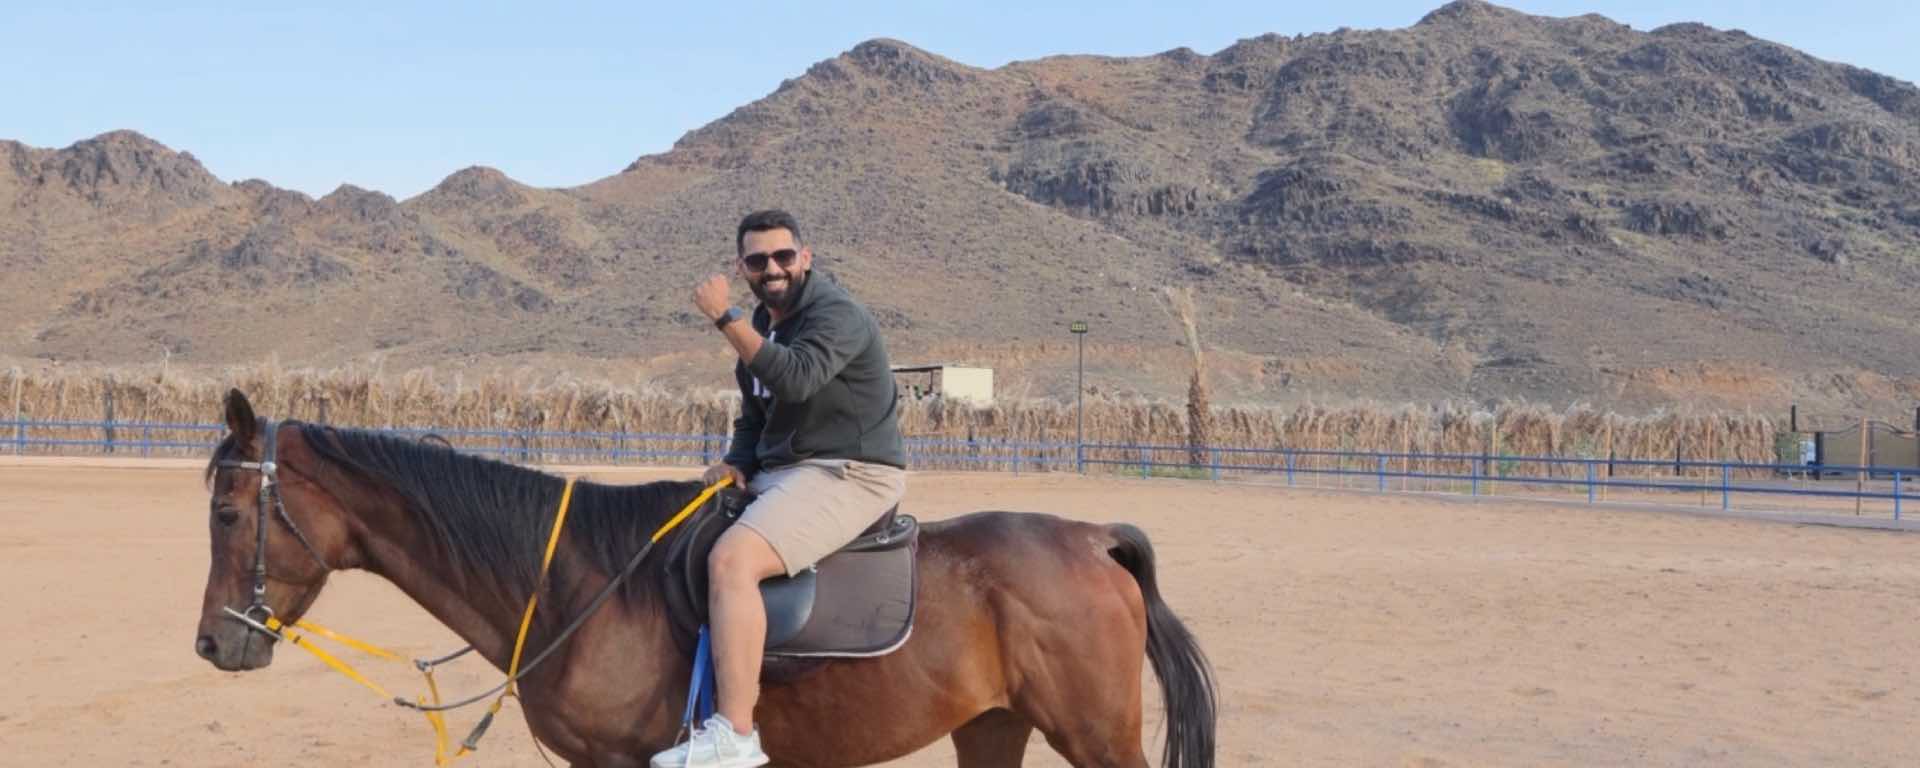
820,388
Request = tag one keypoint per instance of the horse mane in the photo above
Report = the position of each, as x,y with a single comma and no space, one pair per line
491,519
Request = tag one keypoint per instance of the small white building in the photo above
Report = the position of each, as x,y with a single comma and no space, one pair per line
953,382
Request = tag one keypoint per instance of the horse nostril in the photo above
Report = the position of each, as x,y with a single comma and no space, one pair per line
206,647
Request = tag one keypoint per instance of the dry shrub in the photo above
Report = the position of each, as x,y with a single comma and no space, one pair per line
525,401
1181,308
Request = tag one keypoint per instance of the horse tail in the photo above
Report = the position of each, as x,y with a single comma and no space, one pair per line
1186,679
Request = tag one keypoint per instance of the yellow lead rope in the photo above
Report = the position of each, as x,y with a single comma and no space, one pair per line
434,718
690,507
286,633
366,648
526,619
520,640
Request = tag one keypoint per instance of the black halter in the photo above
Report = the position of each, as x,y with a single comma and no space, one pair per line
258,612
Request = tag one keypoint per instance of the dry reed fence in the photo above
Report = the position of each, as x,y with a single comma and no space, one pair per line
520,404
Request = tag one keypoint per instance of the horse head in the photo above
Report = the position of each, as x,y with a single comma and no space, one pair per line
274,532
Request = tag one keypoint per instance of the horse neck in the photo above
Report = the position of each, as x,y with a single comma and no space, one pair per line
391,542
396,548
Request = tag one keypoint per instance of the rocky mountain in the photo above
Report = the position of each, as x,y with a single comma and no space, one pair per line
1486,204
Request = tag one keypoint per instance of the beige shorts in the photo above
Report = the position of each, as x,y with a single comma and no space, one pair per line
808,510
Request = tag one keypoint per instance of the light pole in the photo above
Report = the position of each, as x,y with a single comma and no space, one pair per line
1079,330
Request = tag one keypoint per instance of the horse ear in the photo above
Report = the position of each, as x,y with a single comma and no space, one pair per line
240,419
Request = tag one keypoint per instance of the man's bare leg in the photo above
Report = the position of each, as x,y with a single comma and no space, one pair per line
739,562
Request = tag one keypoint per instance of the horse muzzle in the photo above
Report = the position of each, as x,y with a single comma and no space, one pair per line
234,647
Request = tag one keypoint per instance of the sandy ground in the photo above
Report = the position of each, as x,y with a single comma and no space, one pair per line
1347,629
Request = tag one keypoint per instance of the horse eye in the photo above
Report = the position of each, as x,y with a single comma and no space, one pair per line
227,516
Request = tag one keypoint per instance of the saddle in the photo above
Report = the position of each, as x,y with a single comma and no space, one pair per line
857,602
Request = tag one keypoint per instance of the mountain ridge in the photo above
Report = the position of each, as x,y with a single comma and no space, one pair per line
1486,204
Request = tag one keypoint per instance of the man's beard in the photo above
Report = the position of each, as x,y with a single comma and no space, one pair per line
783,301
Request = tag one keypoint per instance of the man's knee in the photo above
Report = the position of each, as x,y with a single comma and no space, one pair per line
742,558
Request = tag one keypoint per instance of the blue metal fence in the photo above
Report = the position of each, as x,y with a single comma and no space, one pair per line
1468,474
1480,474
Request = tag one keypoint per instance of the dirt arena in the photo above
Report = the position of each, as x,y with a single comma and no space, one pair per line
1346,630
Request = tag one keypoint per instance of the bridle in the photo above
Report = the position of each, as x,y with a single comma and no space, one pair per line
258,612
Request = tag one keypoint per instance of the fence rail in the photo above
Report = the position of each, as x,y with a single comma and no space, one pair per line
1554,477
1600,480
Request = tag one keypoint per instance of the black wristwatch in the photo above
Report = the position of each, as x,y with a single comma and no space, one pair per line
732,314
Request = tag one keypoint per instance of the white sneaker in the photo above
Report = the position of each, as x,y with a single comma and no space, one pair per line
714,744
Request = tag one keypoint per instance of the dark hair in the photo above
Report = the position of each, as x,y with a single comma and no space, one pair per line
764,221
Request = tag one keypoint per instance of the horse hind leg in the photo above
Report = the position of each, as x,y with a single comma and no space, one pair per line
1090,706
996,739
1096,724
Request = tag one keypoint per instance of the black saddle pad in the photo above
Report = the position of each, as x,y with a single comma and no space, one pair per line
856,602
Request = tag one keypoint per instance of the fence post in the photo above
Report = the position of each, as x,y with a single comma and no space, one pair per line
1475,471
1726,479
108,423
1589,481
1866,460
146,440
1143,462
1382,472
1289,466
1611,459
19,426
1216,463
1896,495
1080,457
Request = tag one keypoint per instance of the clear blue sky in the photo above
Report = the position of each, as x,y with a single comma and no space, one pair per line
396,96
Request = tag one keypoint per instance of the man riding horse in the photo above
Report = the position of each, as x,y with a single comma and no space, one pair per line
817,443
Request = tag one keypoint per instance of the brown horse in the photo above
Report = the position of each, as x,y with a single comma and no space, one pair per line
1026,620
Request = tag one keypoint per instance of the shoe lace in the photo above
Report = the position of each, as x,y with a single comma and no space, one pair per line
716,734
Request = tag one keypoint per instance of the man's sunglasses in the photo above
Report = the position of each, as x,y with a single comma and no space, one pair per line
758,261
